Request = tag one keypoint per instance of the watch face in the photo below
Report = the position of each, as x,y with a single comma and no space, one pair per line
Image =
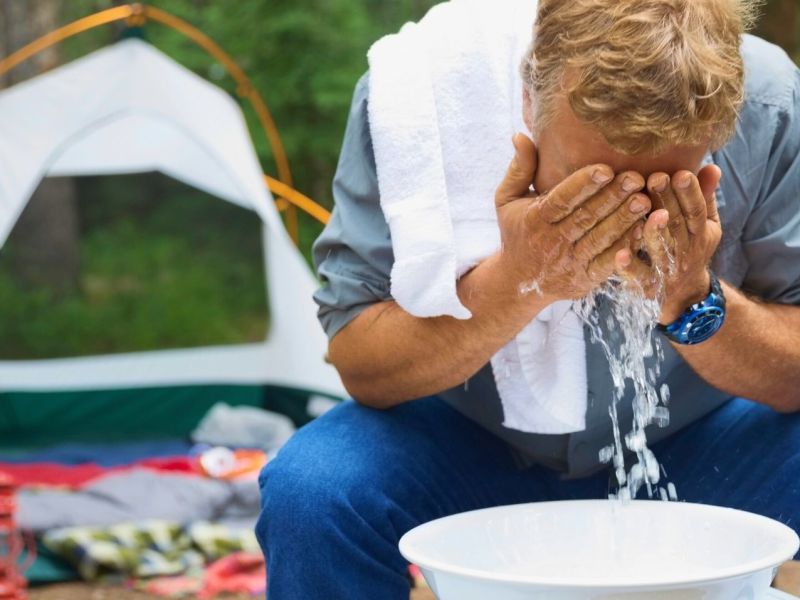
704,324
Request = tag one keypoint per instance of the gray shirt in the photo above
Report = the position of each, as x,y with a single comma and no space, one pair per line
759,204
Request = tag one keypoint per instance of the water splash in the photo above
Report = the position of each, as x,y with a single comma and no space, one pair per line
634,355
530,287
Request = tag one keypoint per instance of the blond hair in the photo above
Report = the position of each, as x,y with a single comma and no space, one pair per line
646,74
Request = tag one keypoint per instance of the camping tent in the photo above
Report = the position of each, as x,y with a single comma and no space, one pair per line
71,121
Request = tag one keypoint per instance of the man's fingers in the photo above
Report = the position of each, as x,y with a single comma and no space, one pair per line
606,233
709,178
658,241
574,191
690,197
660,188
638,273
637,233
605,264
521,172
711,208
584,218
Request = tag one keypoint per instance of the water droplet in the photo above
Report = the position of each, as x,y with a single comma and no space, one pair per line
635,441
530,287
664,392
673,493
661,416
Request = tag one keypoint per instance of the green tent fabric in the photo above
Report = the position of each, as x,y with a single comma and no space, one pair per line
33,419
29,419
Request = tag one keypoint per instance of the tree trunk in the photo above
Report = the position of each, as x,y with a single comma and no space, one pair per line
44,241
44,248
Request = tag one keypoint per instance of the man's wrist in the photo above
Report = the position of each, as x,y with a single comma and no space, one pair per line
524,291
675,305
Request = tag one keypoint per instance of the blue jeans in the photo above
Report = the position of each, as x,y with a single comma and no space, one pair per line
346,487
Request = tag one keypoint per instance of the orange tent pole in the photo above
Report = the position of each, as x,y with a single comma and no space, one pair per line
137,14
304,203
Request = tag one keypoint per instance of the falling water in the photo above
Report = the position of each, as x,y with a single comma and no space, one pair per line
637,358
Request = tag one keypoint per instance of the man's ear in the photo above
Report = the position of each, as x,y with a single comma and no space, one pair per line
527,109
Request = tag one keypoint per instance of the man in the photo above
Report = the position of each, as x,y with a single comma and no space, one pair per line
637,109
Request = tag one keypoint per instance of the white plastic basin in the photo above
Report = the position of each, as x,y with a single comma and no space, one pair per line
601,549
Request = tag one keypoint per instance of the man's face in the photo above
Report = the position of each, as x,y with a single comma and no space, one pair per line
568,144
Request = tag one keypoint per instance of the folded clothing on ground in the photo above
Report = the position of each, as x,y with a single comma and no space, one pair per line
137,495
243,427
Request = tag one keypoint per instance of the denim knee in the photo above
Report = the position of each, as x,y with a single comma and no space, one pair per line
291,500
355,472
325,512
318,489
303,494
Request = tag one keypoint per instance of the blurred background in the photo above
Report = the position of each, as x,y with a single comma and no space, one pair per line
96,267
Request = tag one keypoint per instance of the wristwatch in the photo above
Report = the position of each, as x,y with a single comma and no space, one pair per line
701,320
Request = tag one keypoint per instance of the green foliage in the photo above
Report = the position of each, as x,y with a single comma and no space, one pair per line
170,267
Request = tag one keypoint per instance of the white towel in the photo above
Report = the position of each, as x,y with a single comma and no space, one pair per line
445,98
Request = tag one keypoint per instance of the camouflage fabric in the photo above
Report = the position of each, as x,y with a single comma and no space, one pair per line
146,549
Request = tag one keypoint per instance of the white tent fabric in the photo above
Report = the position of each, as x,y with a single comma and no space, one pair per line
128,108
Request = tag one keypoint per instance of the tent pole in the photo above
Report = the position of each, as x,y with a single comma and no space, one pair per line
304,203
137,14
54,37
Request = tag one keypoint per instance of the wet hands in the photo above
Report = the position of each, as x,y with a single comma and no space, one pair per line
565,242
679,239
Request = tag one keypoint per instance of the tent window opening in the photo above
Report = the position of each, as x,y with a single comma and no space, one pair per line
128,263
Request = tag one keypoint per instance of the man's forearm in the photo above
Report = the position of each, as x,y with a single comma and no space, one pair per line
756,353
386,356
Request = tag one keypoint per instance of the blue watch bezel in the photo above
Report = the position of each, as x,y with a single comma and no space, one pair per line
701,320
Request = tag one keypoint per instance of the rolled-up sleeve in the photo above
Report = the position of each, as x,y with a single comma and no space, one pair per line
353,255
771,238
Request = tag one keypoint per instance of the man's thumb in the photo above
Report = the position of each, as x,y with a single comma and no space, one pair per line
521,171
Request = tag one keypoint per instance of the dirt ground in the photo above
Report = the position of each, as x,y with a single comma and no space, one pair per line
788,580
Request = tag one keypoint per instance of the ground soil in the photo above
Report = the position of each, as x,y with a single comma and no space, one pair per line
788,580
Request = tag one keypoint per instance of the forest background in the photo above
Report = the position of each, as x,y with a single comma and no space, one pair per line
130,263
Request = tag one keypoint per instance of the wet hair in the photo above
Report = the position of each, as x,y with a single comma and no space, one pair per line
647,74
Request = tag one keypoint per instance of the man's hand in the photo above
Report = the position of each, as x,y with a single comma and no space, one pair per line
680,237
564,243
